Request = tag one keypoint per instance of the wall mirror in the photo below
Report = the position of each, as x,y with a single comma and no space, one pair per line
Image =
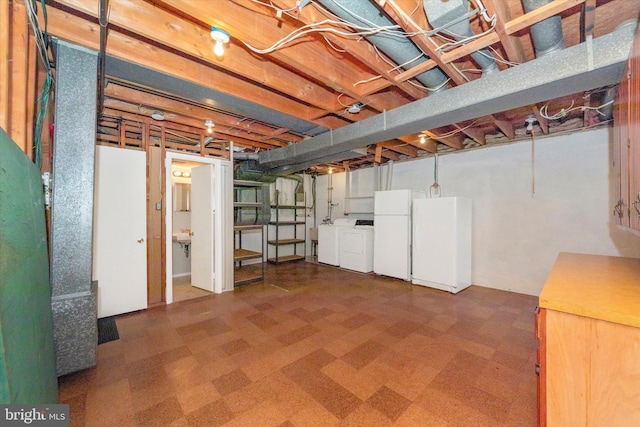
181,197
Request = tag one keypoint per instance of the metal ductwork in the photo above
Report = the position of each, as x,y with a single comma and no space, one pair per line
546,34
250,171
534,81
452,16
401,50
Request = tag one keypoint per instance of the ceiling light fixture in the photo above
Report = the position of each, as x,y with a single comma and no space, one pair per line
209,124
355,108
157,115
220,37
423,138
186,174
176,173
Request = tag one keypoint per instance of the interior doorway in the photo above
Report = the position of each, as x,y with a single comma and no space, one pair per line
183,285
196,250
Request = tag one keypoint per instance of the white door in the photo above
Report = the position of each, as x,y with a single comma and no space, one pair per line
120,230
202,227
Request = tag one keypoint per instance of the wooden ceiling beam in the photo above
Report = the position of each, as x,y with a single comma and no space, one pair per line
454,141
359,50
377,151
400,147
510,44
239,21
153,101
399,15
474,133
155,24
130,112
506,127
429,145
82,32
550,9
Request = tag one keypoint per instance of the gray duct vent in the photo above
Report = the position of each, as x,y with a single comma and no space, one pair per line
546,34
400,49
453,17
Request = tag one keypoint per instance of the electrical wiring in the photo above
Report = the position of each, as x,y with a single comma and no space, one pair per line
370,79
564,112
430,89
455,43
501,58
276,8
458,130
340,102
332,46
312,28
43,99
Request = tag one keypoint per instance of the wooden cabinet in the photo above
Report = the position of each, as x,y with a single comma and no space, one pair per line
287,233
588,326
251,213
626,148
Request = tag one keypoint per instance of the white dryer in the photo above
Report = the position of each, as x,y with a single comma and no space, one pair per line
329,240
356,248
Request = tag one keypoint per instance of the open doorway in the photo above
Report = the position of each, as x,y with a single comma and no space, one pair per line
181,231
197,251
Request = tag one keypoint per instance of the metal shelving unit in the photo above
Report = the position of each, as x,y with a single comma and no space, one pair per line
251,212
295,237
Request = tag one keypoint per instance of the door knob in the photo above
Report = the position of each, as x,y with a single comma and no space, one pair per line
140,240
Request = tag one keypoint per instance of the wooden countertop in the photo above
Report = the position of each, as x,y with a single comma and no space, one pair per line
596,286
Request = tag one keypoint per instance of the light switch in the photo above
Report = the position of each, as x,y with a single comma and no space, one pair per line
159,206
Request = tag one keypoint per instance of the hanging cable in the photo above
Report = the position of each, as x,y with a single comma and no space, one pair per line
42,44
533,163
435,186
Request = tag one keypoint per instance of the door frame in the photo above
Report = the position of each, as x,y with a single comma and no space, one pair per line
223,227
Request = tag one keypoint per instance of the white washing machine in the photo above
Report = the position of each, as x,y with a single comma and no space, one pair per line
356,248
329,240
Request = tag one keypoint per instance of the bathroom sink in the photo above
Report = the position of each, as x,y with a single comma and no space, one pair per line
181,237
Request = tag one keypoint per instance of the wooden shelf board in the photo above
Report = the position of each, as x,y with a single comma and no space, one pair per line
285,242
287,223
247,227
286,258
247,205
247,274
243,254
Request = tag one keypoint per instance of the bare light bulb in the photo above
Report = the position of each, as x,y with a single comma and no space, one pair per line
220,37
209,129
218,49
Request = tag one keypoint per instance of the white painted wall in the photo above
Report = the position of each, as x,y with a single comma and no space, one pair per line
517,235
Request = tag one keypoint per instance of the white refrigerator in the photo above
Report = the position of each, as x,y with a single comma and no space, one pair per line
442,243
392,232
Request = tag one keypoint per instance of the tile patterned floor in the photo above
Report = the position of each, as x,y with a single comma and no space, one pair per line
182,289
317,346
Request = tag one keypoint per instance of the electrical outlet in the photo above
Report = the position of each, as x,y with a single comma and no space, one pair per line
159,206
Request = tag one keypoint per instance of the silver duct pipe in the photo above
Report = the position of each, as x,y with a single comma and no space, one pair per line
546,34
452,17
400,49
246,156
534,81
